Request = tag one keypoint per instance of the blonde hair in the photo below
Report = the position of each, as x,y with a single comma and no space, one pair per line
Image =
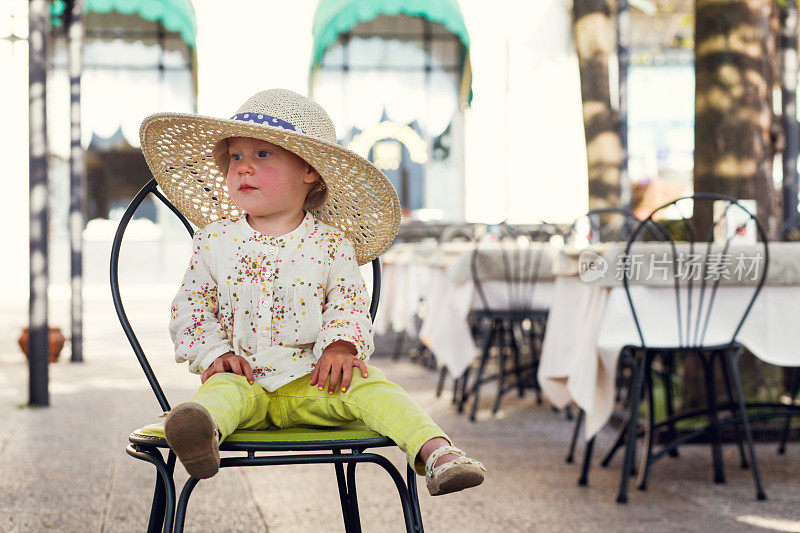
315,197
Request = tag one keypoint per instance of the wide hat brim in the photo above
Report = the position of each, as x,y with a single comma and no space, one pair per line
178,148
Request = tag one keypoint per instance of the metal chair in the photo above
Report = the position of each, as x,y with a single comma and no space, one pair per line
602,225
347,445
513,326
694,305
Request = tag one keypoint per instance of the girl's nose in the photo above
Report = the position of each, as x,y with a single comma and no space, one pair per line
245,167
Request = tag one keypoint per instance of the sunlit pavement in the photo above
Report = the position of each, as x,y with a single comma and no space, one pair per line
64,468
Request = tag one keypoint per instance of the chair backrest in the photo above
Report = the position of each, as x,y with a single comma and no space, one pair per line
605,224
517,258
693,261
151,187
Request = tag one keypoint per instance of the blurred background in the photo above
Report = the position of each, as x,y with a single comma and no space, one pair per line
472,109
541,129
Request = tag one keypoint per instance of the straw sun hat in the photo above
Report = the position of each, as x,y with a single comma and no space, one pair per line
180,150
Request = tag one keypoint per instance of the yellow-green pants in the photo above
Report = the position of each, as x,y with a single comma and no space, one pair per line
381,405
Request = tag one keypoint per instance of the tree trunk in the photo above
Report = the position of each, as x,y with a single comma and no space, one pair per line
594,39
735,72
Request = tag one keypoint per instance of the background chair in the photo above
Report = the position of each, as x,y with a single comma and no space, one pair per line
694,296
345,445
515,327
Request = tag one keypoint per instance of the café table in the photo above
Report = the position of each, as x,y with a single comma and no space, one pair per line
590,321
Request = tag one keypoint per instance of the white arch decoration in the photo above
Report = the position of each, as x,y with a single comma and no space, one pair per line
417,147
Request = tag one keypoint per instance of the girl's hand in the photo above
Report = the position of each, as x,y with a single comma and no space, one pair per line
229,362
338,361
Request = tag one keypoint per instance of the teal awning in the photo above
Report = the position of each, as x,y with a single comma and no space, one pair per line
175,15
334,17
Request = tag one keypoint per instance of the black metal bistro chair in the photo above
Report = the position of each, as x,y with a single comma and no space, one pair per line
516,328
347,445
596,226
695,291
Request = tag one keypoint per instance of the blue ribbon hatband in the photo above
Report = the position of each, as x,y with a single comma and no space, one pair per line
260,118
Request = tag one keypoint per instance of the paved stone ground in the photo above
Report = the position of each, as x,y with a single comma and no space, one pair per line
64,468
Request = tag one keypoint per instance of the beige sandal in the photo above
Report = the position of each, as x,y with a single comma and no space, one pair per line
459,474
192,434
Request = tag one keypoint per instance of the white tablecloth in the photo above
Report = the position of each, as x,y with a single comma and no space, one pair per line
450,299
406,277
589,324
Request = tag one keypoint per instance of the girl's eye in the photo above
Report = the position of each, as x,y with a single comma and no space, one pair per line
263,153
235,157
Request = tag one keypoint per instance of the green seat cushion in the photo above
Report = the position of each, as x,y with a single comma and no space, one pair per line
352,431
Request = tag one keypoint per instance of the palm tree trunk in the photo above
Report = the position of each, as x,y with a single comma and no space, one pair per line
594,39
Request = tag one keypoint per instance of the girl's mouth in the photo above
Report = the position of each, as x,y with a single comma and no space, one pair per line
246,188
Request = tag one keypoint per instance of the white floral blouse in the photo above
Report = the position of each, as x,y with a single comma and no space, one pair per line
276,301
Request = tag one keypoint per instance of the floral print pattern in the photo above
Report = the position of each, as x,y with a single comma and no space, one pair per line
276,301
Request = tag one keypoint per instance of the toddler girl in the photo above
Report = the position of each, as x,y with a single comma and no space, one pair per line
272,310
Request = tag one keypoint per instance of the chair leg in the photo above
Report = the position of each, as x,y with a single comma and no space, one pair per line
398,345
411,478
440,385
160,498
501,371
355,517
536,354
630,444
787,428
619,440
165,471
733,365
713,418
649,433
515,347
666,379
792,388
183,502
587,463
574,441
484,358
408,495
344,499
736,433
157,508
460,390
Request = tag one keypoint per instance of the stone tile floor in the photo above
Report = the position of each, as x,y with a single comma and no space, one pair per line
63,468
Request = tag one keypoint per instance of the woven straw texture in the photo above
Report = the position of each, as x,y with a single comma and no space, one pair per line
179,151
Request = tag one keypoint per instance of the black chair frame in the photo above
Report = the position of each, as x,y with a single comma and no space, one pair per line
167,514
510,328
691,333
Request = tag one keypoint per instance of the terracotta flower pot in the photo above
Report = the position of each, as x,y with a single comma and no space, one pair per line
55,339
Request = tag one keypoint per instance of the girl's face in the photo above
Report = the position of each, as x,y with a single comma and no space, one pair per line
265,179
